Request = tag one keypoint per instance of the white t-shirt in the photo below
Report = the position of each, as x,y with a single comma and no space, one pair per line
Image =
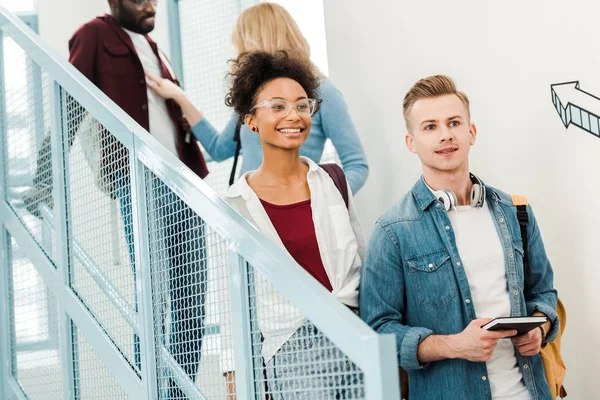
161,124
482,256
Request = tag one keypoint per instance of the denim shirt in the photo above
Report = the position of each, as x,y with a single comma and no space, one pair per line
413,285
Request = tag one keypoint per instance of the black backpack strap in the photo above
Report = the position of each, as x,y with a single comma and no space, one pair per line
523,221
339,179
520,202
238,147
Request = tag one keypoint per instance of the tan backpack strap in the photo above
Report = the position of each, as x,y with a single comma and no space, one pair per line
519,200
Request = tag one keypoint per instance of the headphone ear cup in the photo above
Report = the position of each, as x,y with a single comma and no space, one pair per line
447,197
477,195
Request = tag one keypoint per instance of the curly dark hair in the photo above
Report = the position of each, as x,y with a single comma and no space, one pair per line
252,70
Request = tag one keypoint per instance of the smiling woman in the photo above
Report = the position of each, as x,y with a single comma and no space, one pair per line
297,205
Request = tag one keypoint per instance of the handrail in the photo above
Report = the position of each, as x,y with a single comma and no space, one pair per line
341,326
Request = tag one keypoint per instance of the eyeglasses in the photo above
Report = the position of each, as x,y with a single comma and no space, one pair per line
140,4
281,108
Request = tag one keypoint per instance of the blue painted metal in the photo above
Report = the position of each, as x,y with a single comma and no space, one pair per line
112,293
175,372
339,324
105,348
381,381
175,39
63,260
3,126
145,320
5,327
334,319
31,20
15,392
5,267
241,326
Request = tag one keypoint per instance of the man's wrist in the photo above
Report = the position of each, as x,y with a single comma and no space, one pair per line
453,346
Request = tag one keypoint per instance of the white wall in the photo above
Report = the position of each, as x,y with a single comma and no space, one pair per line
504,55
59,19
308,14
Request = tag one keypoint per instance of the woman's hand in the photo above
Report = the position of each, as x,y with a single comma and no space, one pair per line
164,87
168,90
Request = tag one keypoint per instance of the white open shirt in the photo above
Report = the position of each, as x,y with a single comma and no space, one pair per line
341,245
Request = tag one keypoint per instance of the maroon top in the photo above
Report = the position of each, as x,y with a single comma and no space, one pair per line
295,227
103,52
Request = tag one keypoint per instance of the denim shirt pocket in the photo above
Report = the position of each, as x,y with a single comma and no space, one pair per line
432,277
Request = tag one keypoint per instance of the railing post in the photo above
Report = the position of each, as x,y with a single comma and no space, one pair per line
60,192
3,127
175,39
382,382
5,327
145,317
6,334
241,326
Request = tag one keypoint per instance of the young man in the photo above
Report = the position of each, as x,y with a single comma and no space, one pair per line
448,258
114,52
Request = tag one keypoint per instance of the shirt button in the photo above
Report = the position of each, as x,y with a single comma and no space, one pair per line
468,301
483,378
430,266
144,106
525,366
458,264
515,293
501,220
511,255
447,228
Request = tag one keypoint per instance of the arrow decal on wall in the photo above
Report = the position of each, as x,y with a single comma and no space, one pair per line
574,106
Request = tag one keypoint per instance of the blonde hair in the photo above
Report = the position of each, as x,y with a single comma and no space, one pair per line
430,87
269,27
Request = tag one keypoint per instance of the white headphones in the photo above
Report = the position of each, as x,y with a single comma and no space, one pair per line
448,198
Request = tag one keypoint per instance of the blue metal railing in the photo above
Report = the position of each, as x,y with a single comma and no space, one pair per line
373,354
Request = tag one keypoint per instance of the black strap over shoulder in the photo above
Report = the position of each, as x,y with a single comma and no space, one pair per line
238,147
339,179
523,221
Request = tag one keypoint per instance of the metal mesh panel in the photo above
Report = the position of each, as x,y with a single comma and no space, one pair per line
189,284
35,346
206,47
92,377
29,183
100,235
292,358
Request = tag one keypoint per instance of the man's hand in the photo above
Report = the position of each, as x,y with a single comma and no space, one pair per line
477,344
530,343
163,87
473,344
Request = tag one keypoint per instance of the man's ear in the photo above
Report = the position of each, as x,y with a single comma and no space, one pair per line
114,7
410,142
473,133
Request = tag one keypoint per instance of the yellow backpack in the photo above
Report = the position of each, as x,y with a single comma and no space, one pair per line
554,366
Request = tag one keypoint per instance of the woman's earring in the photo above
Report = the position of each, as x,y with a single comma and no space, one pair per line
253,129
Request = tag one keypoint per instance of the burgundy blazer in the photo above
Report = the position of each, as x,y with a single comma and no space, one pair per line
105,54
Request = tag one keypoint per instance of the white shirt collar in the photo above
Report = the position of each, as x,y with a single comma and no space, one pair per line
241,187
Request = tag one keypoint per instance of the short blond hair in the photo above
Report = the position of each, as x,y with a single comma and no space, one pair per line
269,27
430,87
